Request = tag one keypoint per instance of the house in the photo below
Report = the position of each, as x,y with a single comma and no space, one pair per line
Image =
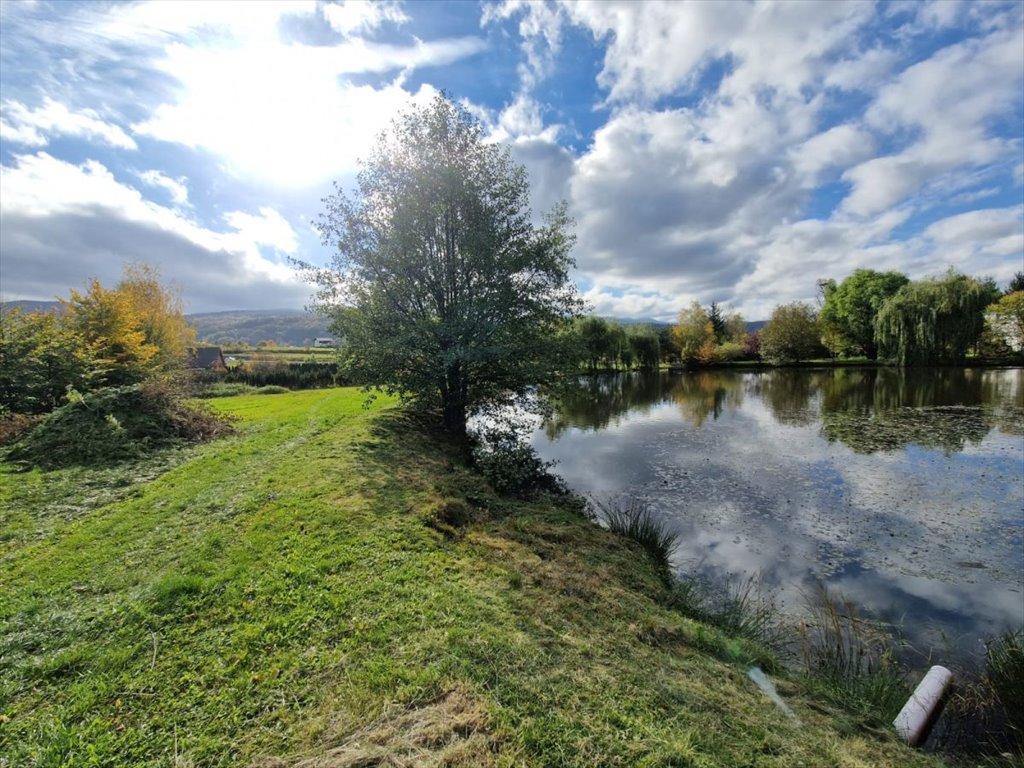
207,359
324,341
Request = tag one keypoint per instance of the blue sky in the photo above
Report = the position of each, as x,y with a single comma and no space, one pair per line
730,151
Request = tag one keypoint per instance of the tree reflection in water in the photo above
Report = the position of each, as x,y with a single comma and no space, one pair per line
867,409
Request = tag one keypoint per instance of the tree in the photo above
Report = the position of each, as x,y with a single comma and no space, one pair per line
717,321
849,310
1006,320
595,339
457,297
1016,284
645,346
693,331
110,325
937,320
791,334
735,328
40,359
160,314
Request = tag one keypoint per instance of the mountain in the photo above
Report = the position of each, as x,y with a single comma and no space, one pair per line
285,327
31,306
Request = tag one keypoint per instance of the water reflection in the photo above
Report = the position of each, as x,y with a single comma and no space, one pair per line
903,489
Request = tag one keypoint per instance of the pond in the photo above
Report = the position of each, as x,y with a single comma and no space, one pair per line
903,490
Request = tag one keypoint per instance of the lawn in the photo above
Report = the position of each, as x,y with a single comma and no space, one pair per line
307,593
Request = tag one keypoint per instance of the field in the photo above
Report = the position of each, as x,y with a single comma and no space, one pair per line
333,586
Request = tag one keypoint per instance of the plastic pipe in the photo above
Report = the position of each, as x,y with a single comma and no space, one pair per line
919,713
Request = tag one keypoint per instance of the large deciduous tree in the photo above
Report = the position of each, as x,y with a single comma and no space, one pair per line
850,308
934,321
454,296
694,333
791,334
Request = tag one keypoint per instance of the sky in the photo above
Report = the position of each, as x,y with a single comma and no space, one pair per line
734,152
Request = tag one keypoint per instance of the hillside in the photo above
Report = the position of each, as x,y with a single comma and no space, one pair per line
334,588
285,327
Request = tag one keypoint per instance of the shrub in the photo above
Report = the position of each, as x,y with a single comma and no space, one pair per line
634,520
272,389
513,466
15,425
115,424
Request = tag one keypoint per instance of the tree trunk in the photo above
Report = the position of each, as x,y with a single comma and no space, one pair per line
453,402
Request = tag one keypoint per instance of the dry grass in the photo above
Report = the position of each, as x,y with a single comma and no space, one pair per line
449,731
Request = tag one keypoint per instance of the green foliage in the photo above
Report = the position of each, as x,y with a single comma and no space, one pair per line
115,424
849,311
1005,320
455,298
1017,283
645,346
312,375
511,465
934,321
40,358
792,334
717,320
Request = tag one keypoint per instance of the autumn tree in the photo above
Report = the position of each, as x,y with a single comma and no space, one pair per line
694,332
791,334
1006,317
160,314
109,323
458,296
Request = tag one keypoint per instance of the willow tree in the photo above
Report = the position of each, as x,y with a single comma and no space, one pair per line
937,320
441,287
850,308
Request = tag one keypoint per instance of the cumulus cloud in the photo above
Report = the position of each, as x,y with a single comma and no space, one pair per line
62,223
35,127
174,187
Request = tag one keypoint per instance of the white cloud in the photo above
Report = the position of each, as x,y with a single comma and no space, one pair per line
281,113
62,223
268,228
34,127
175,187
350,16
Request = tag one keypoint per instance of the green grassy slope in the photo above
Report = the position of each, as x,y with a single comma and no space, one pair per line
283,598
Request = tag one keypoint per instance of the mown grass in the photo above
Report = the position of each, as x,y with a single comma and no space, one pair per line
288,594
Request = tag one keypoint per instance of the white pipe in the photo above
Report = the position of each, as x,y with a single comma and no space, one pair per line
916,718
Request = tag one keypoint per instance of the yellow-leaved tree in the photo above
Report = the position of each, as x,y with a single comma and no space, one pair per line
159,311
109,324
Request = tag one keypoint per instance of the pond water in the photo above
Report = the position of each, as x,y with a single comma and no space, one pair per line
902,490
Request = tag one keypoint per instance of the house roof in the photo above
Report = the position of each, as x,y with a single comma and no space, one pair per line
204,357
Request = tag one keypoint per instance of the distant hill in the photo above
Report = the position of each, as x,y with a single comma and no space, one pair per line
31,306
285,327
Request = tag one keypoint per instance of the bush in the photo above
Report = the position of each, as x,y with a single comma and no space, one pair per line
115,424
272,389
15,425
512,466
292,375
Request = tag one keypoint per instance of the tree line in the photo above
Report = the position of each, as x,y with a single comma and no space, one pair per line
102,337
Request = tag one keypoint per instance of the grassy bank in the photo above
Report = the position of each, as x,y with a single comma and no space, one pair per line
331,586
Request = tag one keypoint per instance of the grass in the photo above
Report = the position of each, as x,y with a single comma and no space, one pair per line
288,595
634,519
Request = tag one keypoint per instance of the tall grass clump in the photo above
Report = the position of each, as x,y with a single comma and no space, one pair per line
850,659
633,519
740,607
985,715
